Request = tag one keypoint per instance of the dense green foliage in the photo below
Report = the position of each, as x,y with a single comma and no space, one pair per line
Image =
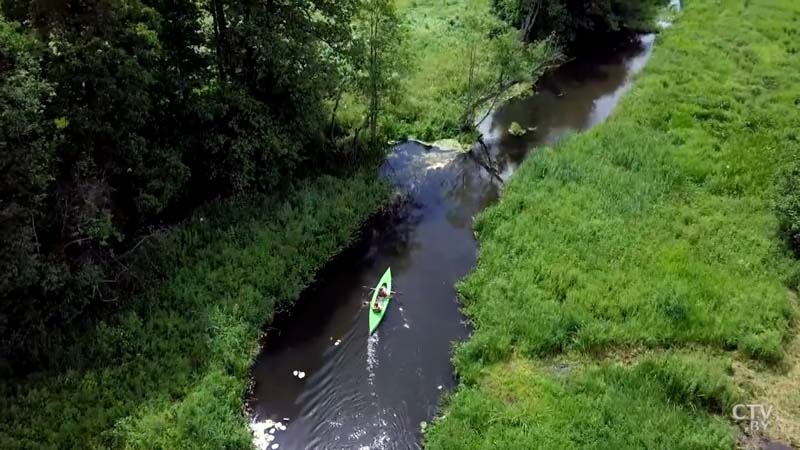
26,161
654,230
170,371
463,59
578,22
119,117
383,37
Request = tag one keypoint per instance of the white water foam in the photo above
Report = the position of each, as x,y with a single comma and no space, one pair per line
264,433
372,357
380,441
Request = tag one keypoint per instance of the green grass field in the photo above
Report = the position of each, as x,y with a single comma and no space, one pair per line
171,370
653,232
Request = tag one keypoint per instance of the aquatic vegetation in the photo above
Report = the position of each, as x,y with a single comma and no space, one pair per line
655,230
516,129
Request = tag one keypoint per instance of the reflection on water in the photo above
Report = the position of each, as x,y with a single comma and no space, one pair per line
372,392
578,96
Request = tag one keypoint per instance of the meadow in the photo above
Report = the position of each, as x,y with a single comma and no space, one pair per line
646,253
170,370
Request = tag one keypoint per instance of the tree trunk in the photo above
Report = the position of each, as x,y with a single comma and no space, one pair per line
374,107
221,34
530,19
470,112
333,113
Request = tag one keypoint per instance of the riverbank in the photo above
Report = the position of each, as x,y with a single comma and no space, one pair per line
171,370
628,274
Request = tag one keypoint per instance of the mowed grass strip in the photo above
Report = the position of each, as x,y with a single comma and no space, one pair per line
656,230
171,371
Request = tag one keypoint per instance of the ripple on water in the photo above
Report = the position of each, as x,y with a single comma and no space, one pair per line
372,357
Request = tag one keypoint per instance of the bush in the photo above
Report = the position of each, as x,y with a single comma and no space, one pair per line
577,23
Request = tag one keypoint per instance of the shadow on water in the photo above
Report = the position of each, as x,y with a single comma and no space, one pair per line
372,392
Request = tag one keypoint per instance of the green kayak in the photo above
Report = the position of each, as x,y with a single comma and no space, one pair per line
376,317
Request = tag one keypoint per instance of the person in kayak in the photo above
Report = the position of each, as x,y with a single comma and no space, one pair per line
383,294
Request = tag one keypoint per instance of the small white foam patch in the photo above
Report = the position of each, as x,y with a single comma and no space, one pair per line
264,433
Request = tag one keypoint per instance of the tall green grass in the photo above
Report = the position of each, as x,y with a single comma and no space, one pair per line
519,405
655,229
171,370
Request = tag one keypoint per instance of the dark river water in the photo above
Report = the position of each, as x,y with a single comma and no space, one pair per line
372,392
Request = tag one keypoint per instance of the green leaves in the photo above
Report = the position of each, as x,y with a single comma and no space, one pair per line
578,23
117,118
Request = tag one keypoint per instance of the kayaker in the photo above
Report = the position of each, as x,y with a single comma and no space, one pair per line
383,294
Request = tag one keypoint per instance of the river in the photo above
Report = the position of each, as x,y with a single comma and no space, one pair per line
372,392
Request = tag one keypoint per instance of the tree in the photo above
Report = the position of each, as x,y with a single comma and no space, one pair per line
119,117
505,62
579,22
382,39
26,162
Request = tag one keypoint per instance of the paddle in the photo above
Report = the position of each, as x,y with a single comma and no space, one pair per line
391,293
375,289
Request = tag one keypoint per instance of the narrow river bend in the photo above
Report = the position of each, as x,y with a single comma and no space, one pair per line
363,392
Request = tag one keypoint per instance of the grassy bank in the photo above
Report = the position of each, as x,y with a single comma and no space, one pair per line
171,370
652,233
